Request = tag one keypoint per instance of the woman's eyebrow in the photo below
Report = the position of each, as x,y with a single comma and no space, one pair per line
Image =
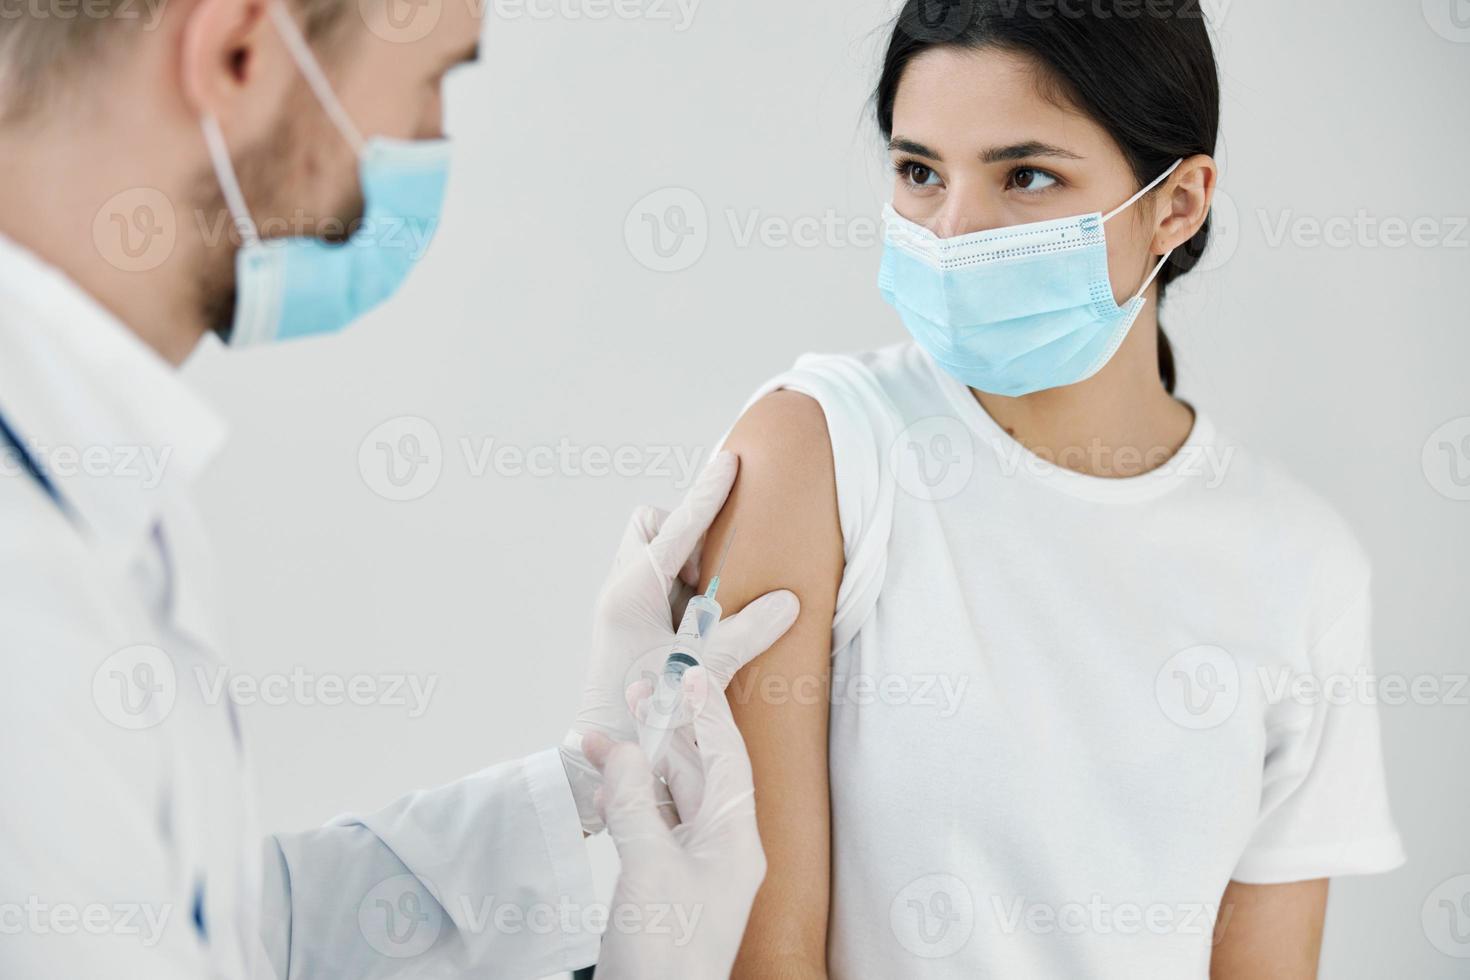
1021,151
901,144
998,154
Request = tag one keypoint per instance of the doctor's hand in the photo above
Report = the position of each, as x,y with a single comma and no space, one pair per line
652,577
684,894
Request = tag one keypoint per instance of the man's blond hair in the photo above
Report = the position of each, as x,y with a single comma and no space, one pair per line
51,48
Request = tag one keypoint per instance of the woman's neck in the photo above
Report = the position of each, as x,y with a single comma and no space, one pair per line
1119,423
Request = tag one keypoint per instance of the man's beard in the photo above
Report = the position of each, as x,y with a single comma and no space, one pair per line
265,172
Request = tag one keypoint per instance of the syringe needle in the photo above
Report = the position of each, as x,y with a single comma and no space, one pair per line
725,555
714,583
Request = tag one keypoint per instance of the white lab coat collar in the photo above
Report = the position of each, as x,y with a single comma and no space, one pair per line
78,385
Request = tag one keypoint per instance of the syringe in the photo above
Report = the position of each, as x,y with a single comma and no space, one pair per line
701,617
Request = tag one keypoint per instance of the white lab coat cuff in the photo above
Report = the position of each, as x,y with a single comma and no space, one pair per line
561,826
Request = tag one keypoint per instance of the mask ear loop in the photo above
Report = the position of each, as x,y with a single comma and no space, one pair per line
1139,196
1134,200
1153,275
224,170
311,70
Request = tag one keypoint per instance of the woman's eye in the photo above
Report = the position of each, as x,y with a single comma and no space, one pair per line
919,175
1031,180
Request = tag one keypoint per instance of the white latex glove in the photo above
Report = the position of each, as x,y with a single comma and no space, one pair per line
652,577
684,895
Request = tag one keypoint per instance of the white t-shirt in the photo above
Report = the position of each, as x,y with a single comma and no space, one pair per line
1068,710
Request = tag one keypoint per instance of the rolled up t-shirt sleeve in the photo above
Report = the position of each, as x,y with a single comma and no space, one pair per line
1324,797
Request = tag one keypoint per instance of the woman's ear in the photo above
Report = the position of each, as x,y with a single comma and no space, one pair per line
1190,193
233,66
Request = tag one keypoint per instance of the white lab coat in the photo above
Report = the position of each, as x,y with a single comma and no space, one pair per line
128,838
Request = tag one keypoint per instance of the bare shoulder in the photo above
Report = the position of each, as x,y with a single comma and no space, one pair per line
787,425
785,498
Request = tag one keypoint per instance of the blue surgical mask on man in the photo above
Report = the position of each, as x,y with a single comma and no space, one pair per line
1012,311
301,286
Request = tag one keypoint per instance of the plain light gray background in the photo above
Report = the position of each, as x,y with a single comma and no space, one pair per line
536,321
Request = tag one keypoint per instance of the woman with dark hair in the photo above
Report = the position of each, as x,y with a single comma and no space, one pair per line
1040,715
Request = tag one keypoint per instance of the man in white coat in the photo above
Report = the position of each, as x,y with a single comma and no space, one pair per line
248,167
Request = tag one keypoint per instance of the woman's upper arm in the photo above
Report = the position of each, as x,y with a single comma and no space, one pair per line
1269,931
784,507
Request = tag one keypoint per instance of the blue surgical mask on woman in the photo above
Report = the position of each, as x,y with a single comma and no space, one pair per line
1011,311
300,286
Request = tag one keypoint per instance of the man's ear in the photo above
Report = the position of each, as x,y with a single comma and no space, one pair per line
1190,192
234,67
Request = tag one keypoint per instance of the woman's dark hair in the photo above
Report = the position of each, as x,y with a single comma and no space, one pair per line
1144,70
